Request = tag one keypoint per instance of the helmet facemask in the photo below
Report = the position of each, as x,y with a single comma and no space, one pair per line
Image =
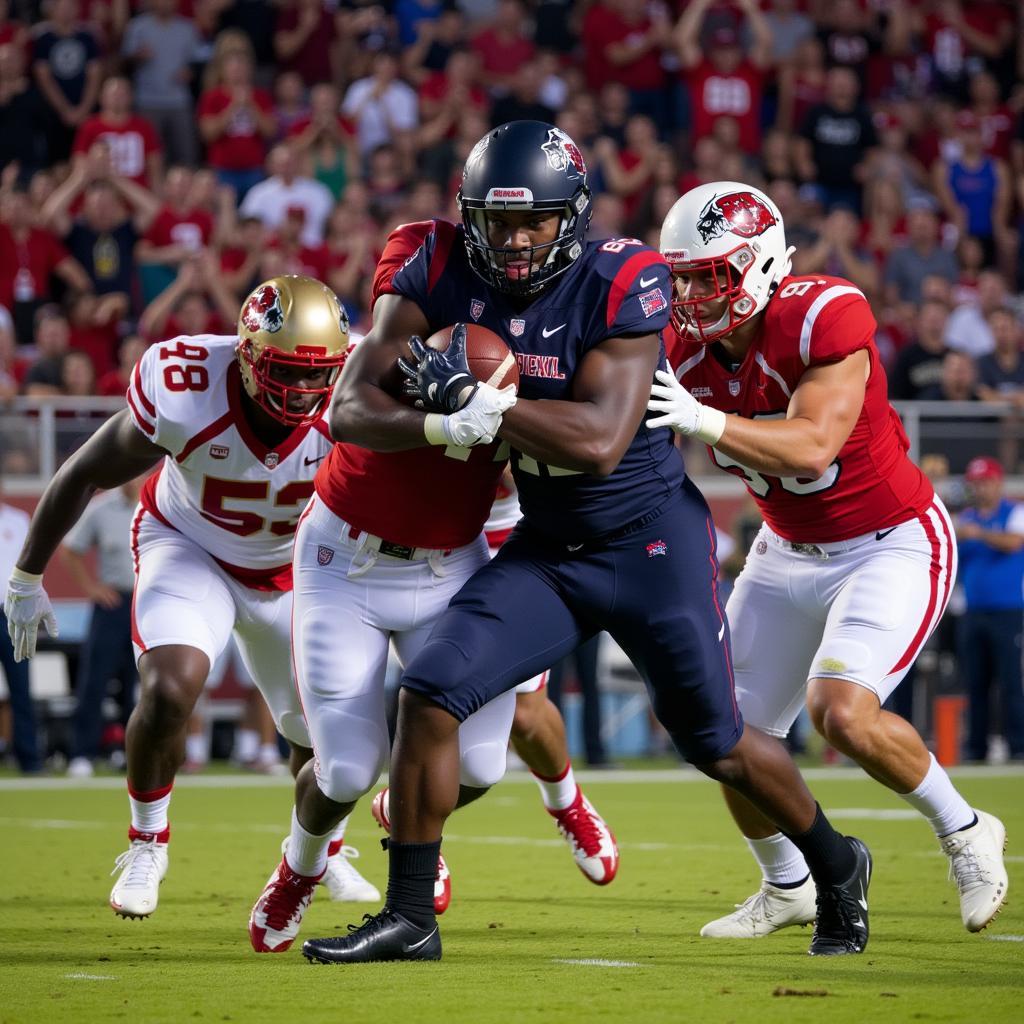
274,395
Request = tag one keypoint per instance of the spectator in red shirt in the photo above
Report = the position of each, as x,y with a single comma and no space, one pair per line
350,249
235,120
622,42
801,84
114,383
994,116
290,106
135,148
240,260
93,323
328,139
180,228
727,85
503,46
29,255
296,257
305,39
628,172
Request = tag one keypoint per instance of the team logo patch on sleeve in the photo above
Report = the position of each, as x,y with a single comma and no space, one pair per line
657,547
653,302
516,327
476,309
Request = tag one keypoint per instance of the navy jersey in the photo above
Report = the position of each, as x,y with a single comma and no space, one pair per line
617,288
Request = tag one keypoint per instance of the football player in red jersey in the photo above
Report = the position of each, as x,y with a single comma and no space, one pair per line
780,376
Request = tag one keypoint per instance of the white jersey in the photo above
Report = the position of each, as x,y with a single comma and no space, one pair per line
219,485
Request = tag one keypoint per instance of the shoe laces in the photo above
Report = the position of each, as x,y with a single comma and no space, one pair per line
285,898
579,827
964,865
834,916
753,907
139,863
372,922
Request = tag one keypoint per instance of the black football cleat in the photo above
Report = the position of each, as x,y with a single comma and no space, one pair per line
841,925
383,936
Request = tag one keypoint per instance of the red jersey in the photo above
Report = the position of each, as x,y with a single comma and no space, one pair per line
736,95
193,229
26,265
430,497
240,145
871,484
129,143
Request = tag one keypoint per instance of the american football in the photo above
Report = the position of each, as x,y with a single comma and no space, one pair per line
490,360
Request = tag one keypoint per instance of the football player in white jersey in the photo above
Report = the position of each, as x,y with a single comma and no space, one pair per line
235,425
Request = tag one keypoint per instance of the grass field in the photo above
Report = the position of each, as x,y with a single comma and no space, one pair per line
523,924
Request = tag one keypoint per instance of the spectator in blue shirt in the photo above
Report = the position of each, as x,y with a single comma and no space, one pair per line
990,534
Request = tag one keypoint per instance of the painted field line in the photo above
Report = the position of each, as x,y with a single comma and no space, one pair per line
597,963
1005,938
90,977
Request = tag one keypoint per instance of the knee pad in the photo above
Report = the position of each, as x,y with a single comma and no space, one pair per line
482,765
353,762
292,726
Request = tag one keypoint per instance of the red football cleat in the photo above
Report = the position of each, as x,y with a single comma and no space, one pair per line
591,840
275,919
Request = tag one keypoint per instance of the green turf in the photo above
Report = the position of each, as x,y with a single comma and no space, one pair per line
519,907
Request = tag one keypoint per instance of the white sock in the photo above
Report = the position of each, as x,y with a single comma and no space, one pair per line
247,745
149,810
195,748
559,792
781,863
269,754
307,853
937,799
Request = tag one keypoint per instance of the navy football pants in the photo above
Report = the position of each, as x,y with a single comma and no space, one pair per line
654,589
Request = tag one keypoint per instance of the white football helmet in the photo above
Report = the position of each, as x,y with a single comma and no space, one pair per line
733,233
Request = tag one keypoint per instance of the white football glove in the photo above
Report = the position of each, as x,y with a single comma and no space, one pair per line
477,422
682,412
26,606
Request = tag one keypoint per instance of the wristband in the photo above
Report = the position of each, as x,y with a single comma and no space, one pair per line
433,429
712,425
20,576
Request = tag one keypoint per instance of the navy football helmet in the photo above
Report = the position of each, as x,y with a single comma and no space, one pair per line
525,165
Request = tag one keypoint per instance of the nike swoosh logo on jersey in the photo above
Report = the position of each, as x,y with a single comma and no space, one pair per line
645,283
574,547
554,330
406,948
881,535
313,462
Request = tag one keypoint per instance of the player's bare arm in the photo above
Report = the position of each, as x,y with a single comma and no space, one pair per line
592,432
115,454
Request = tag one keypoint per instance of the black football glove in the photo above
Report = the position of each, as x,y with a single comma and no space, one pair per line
439,381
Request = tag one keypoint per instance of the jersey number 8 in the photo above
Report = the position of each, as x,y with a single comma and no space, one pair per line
187,377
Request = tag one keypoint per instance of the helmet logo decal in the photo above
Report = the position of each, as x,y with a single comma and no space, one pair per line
742,213
477,151
263,311
563,154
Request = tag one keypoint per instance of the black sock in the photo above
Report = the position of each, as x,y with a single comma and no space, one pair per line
829,856
412,868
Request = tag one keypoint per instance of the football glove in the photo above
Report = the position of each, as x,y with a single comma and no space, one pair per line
26,606
477,422
440,381
681,411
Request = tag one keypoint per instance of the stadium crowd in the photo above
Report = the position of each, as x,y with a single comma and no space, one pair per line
158,159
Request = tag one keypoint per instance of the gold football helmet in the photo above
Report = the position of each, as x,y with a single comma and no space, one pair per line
291,322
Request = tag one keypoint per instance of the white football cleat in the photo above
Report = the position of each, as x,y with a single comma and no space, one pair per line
976,862
593,846
768,910
142,866
341,880
443,880
277,914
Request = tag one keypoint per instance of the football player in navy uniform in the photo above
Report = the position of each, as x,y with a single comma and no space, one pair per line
614,536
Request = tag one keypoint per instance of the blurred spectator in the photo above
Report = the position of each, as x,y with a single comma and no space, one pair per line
115,213
836,139
114,383
851,38
388,185
990,536
350,248
776,158
444,98
77,375
93,322
235,120
1001,372
995,118
367,30
285,190
328,138
920,256
305,35
789,27
801,85
967,329
198,302
958,380
65,63
884,222
436,41
290,106
503,47
296,258
523,101
22,114
135,148
975,190
918,366
13,531
12,366
383,107
29,256
838,254
160,45
726,84
43,379
628,171
970,255
107,654
892,161
239,262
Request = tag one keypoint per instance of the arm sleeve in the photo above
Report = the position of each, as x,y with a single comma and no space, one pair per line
152,407
413,279
838,323
402,243
638,294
